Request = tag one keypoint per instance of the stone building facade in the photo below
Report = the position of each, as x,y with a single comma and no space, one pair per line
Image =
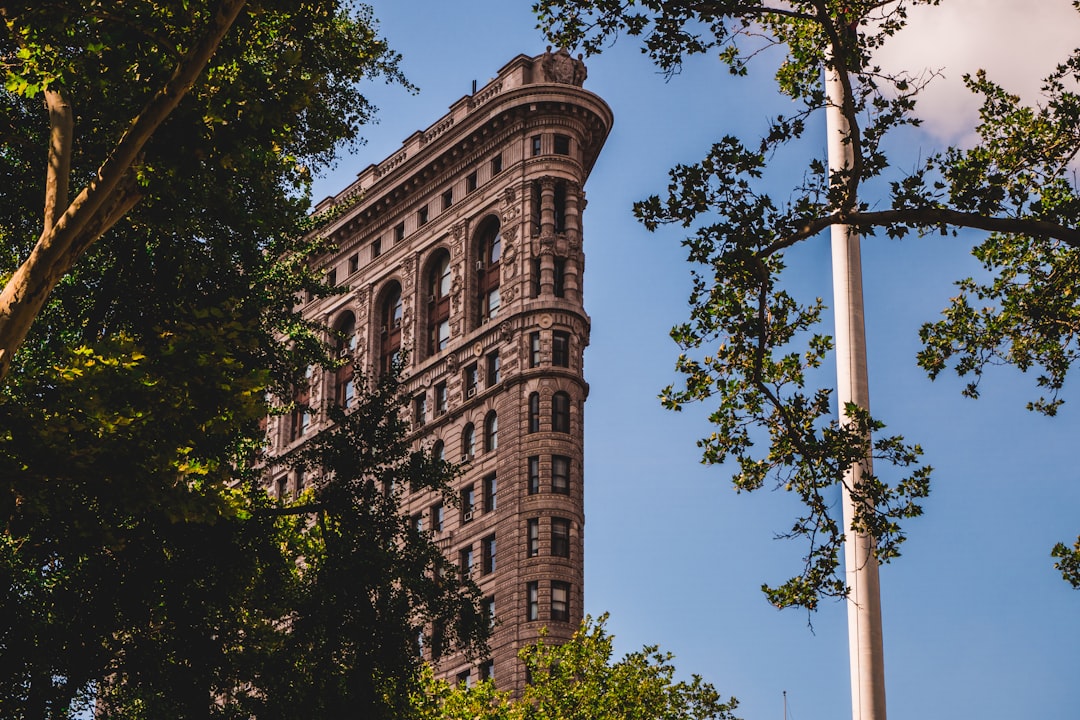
465,248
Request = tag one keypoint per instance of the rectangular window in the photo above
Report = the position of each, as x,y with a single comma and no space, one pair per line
562,145
532,600
560,277
418,522
496,165
331,277
354,263
534,349
560,537
298,486
534,475
470,182
487,547
560,348
440,399
533,548
560,207
448,199
436,641
420,406
488,608
422,216
399,232
494,369
464,678
436,515
560,474
470,381
493,302
468,498
465,560
282,487
535,140
534,208
487,670
490,496
376,248
535,277
560,601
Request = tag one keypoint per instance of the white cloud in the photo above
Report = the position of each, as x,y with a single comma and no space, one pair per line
1017,42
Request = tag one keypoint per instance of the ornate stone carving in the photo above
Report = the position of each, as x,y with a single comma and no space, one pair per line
408,276
560,67
508,207
457,232
509,258
455,287
506,330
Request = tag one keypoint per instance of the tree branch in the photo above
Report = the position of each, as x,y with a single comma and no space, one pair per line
931,216
58,167
27,290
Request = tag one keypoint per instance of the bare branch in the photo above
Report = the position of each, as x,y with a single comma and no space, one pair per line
931,216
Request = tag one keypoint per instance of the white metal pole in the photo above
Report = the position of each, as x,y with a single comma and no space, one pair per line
864,603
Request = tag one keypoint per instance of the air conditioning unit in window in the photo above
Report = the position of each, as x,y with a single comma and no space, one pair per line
397,322
382,330
470,392
433,298
467,517
465,458
479,266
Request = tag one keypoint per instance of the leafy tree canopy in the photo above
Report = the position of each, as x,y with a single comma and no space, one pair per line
144,567
753,350
579,681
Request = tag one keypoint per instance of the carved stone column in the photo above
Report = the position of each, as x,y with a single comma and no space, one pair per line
547,236
572,281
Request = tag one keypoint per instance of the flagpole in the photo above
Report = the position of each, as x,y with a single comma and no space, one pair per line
865,647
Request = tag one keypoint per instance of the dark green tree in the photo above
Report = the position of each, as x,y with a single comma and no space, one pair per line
144,568
750,348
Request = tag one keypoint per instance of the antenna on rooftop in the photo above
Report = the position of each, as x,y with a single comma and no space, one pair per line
473,87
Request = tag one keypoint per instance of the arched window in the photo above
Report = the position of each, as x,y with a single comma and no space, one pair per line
560,412
344,345
390,328
438,451
468,442
534,412
438,309
489,251
491,432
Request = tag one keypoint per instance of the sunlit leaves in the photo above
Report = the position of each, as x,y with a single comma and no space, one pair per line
580,680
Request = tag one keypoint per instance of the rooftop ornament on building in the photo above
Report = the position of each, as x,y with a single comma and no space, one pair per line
560,67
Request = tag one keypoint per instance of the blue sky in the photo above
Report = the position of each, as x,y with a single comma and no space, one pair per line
977,623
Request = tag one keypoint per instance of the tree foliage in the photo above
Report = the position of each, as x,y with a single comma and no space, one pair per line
579,681
750,347
144,568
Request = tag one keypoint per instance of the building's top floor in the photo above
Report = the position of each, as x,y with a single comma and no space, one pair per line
552,77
